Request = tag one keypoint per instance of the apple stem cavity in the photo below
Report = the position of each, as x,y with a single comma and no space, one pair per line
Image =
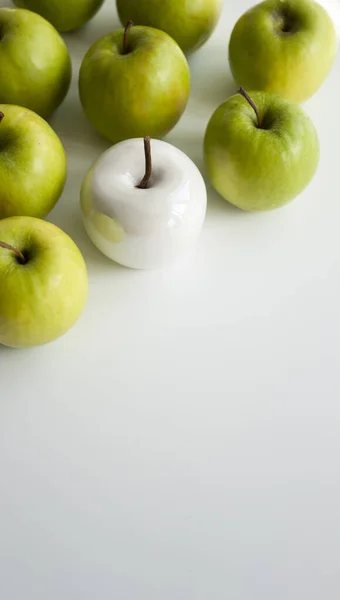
126,37
1,116
245,95
21,258
148,165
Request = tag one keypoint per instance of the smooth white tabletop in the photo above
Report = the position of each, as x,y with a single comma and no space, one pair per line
182,441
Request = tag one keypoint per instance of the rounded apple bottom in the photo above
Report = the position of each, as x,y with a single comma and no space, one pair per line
137,252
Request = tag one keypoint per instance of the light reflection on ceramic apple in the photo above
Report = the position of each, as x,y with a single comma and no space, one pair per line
109,228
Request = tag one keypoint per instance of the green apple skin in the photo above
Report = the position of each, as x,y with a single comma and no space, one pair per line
189,22
260,168
32,164
64,15
42,299
143,92
35,66
286,47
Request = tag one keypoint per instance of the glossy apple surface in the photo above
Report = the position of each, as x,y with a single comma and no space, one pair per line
260,167
32,164
42,297
35,66
190,23
144,228
286,47
142,91
64,15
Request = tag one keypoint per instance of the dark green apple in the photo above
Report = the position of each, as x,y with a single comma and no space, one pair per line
283,46
190,23
134,83
65,15
35,66
260,150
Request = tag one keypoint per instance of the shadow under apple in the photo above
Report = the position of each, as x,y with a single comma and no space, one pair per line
217,85
92,31
75,131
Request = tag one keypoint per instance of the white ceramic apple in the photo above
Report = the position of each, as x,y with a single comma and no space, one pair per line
144,222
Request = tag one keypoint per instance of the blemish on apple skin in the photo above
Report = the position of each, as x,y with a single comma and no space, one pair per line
109,229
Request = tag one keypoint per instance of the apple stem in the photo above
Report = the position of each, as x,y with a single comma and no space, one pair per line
148,164
1,116
126,37
243,93
19,254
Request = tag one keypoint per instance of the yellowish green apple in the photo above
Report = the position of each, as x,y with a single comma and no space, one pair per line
65,15
35,66
43,282
286,47
260,150
32,164
134,82
189,22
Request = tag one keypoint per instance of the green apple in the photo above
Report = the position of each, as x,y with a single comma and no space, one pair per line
190,23
134,83
35,66
260,150
283,46
43,282
32,164
65,15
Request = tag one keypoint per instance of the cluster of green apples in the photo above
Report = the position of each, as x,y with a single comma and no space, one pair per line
261,149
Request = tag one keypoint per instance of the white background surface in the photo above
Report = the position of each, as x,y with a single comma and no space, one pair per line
182,441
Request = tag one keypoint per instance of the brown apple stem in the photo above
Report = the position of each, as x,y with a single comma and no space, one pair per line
19,254
1,116
126,37
148,165
243,93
